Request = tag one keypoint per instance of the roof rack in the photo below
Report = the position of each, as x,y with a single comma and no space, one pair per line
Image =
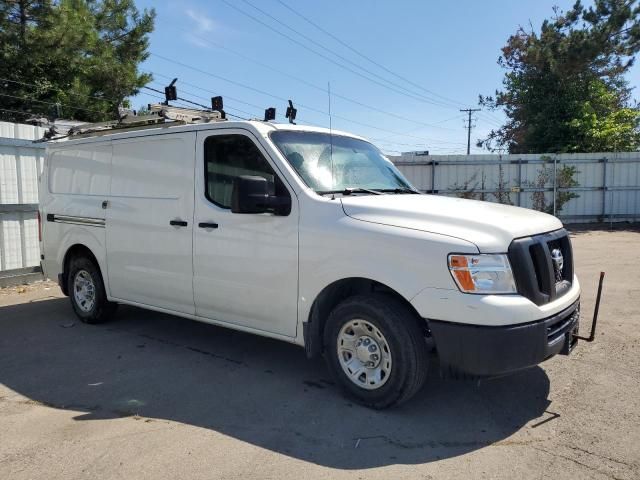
160,114
186,115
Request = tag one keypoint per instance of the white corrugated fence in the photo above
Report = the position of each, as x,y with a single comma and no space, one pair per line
605,186
20,167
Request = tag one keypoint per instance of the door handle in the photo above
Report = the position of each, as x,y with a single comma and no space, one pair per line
208,225
178,223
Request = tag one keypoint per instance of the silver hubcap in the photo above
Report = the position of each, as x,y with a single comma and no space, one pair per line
84,291
364,354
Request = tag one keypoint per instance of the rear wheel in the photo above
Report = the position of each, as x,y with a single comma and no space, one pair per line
87,293
375,349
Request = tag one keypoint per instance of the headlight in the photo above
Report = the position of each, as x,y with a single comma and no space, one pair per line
484,273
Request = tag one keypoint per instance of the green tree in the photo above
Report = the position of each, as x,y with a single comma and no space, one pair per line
76,58
565,88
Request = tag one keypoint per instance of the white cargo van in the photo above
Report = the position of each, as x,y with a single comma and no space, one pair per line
308,236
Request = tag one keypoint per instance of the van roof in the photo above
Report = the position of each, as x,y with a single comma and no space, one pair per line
258,126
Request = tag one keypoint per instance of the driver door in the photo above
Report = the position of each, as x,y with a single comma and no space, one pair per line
245,266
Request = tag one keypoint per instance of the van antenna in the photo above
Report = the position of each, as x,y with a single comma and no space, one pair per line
333,196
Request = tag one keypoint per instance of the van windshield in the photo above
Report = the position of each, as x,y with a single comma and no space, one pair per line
339,164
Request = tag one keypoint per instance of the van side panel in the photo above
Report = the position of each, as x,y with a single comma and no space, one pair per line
150,260
81,171
74,184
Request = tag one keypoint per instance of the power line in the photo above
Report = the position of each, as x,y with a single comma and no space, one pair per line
190,102
2,109
92,96
97,97
179,103
360,54
411,94
415,146
382,140
417,129
74,107
307,83
469,126
490,120
317,87
182,82
233,82
115,101
377,140
347,60
490,116
449,119
184,100
316,110
258,107
341,57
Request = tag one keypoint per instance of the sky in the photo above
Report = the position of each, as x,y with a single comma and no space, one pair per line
399,71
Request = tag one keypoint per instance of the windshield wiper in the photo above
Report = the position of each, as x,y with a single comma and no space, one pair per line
398,190
349,191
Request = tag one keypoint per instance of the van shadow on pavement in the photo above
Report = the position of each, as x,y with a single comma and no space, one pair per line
257,390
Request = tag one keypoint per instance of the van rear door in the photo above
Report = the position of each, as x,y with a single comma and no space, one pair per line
150,221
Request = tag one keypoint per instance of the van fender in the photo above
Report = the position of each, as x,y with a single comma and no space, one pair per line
92,238
314,317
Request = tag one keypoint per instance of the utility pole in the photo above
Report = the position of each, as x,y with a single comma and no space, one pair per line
469,126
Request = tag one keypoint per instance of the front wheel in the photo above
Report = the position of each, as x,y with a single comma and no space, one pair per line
376,350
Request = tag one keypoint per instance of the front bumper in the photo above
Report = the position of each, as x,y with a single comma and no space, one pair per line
488,310
485,351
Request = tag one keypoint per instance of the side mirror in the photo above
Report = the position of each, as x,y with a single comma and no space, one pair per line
250,194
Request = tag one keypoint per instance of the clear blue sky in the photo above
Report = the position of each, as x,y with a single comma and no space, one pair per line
447,50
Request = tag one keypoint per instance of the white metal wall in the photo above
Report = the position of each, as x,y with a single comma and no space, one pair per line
608,183
20,167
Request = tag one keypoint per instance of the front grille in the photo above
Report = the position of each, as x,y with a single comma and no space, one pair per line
538,276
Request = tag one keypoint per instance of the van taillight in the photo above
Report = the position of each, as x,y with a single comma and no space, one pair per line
39,227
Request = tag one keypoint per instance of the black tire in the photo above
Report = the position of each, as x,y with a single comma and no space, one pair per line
101,309
406,343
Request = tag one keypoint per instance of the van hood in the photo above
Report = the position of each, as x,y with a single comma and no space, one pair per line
490,226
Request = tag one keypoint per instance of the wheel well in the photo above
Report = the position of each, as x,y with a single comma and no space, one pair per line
77,250
337,292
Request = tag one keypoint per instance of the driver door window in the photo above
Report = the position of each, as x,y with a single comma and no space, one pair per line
227,157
